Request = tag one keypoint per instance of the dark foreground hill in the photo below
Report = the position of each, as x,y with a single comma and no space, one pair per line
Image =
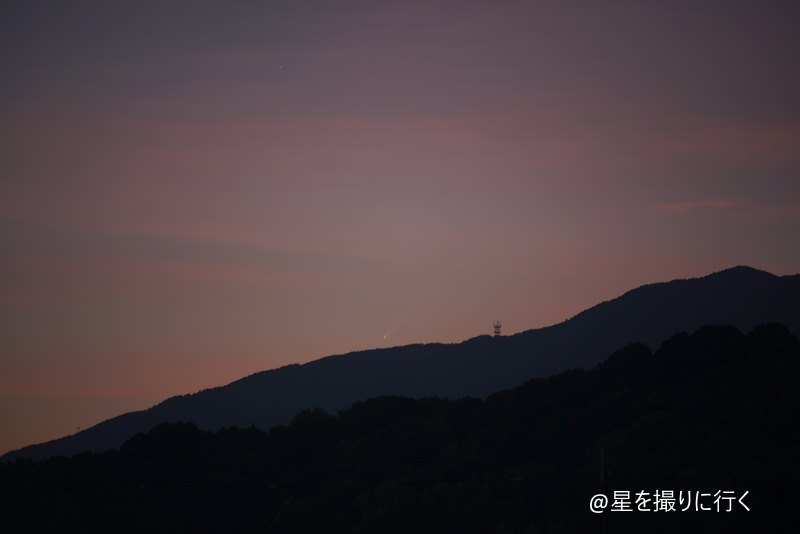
741,296
716,411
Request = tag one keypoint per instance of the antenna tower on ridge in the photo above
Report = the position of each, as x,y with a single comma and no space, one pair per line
497,326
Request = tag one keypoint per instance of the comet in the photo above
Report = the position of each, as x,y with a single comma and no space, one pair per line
390,330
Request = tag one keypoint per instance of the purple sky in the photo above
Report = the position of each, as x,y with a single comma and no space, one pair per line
193,192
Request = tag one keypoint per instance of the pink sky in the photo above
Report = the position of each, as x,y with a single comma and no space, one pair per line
191,194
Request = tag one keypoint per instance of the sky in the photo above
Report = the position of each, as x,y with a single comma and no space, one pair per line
191,192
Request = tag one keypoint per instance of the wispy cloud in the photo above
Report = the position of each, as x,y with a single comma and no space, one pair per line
686,206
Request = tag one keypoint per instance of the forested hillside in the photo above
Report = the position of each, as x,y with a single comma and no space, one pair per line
715,410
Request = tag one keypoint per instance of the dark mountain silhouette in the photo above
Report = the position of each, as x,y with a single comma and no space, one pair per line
740,296
713,411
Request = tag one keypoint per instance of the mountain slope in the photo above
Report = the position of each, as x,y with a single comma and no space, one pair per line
741,296
715,410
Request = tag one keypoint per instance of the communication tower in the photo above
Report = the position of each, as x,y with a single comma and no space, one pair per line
497,326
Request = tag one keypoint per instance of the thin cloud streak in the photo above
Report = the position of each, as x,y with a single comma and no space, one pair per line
682,207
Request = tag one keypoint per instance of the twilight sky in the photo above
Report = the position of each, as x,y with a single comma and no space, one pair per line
191,192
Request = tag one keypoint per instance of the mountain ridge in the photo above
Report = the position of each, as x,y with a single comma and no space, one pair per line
716,408
479,366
